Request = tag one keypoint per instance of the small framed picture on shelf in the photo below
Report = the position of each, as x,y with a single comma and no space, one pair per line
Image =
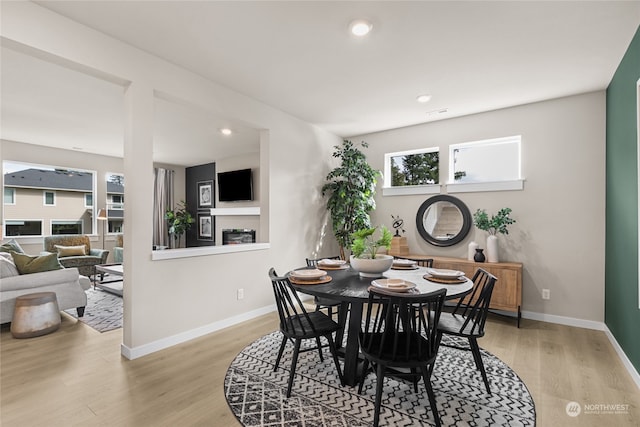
205,227
205,194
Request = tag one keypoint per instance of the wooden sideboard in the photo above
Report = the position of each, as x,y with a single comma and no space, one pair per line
507,294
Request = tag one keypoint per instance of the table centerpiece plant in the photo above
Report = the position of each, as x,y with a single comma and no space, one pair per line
496,224
364,252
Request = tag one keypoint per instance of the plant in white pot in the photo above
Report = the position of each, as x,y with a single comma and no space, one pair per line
496,224
365,258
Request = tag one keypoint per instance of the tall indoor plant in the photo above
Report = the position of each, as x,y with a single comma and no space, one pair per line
179,221
350,187
496,224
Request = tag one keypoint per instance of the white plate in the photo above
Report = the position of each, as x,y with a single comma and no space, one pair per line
404,262
444,274
308,274
332,262
395,285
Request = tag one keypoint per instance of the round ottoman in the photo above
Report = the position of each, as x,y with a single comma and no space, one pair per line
35,314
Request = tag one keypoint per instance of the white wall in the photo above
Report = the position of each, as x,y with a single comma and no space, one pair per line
165,301
559,234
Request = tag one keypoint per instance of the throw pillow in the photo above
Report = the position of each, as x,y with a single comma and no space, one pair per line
27,264
64,251
11,246
7,268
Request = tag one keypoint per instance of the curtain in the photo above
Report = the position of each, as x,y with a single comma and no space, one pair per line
162,200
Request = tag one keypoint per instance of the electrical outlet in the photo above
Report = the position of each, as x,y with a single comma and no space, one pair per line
240,294
546,294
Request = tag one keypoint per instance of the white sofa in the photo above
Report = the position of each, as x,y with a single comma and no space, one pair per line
67,283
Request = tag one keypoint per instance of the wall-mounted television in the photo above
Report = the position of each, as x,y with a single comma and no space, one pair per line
235,185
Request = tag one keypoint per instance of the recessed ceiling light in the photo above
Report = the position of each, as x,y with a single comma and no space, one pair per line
360,27
423,98
225,131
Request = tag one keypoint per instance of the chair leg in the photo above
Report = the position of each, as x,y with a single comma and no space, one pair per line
438,341
475,349
379,386
294,362
365,366
319,348
334,353
432,396
284,343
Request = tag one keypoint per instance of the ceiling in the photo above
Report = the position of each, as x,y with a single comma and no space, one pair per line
299,57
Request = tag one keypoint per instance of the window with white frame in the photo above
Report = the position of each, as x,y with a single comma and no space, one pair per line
9,196
115,202
88,200
18,227
486,162
66,227
407,172
49,198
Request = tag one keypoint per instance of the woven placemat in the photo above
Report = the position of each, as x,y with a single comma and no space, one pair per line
325,279
456,281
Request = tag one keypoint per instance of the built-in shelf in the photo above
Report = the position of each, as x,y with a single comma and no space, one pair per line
235,211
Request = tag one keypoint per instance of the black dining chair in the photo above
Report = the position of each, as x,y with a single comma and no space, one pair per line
400,333
296,324
428,262
469,316
321,302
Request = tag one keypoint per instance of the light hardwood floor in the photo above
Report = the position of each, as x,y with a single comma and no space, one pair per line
76,376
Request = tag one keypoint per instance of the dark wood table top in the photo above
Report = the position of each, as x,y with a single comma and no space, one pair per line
348,286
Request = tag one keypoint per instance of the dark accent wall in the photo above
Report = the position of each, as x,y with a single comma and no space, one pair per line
194,175
622,315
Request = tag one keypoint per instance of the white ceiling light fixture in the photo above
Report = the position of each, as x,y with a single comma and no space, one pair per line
360,27
226,131
423,98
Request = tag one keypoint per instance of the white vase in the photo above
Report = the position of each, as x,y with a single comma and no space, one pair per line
492,248
472,250
368,267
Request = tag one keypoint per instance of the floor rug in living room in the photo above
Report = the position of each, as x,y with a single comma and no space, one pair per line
103,312
257,395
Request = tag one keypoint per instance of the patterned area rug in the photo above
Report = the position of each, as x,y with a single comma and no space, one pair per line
103,312
257,395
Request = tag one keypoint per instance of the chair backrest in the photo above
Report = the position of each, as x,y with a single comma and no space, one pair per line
421,262
402,327
50,242
475,305
293,315
314,262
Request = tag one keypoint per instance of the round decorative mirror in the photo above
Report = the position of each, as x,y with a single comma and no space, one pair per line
443,220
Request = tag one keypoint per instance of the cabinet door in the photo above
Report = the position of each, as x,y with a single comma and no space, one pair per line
505,292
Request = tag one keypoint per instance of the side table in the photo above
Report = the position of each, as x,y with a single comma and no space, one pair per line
35,314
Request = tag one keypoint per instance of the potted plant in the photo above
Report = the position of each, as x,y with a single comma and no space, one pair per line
364,252
351,187
496,224
179,221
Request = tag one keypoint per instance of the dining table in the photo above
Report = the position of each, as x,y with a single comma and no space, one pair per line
347,286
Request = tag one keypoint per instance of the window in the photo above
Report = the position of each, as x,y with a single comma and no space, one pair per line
49,198
23,228
48,193
411,172
494,162
66,227
115,202
9,196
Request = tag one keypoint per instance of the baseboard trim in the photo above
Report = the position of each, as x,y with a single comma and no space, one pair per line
562,320
588,324
152,347
623,357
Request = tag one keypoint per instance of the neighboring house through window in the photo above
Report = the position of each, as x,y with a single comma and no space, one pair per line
115,202
40,200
